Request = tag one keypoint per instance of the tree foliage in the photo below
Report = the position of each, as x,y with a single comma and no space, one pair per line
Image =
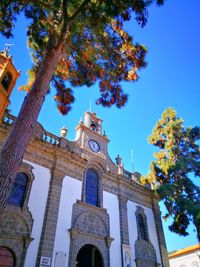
176,166
95,46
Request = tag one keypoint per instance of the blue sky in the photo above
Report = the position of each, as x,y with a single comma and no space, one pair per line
171,79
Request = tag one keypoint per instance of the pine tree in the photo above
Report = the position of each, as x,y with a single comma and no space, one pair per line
176,166
81,42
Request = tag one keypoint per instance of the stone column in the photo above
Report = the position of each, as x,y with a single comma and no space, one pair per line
160,234
50,219
123,217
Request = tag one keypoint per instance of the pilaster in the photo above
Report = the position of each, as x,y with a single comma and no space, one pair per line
160,233
50,219
123,217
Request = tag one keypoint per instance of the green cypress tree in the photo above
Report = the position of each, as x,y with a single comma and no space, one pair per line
176,165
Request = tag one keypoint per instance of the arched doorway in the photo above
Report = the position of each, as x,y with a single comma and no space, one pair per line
89,256
6,257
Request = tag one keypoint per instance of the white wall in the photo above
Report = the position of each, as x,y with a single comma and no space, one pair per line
131,209
190,260
110,202
71,191
37,204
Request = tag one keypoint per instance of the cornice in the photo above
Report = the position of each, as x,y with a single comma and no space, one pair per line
73,160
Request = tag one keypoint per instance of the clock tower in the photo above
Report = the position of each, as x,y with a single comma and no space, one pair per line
89,135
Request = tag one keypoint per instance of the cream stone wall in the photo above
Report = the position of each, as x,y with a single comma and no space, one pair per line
117,203
71,191
36,204
132,225
110,202
189,260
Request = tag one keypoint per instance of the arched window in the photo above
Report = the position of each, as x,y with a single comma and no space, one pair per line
7,80
92,187
142,226
18,190
142,229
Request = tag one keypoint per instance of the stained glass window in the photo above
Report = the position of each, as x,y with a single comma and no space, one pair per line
92,187
18,190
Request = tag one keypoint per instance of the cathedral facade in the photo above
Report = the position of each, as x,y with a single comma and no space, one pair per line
72,206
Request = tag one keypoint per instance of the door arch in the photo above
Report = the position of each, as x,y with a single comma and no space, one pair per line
89,256
7,258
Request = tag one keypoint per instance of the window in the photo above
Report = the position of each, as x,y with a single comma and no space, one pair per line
93,126
142,227
18,190
92,187
7,80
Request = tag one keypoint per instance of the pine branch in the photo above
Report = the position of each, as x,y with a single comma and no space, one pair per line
65,14
78,11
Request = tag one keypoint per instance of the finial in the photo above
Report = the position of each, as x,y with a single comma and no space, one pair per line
118,160
104,134
63,132
7,48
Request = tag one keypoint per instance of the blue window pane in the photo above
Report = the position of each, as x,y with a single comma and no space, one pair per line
92,187
18,190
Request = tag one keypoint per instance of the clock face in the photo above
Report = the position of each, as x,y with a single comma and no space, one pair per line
94,146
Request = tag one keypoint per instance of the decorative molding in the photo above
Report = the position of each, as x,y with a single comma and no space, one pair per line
91,223
145,254
73,160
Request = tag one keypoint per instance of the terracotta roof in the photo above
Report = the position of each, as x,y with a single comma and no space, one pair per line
185,251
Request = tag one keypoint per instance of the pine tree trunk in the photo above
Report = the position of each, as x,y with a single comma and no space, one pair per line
13,151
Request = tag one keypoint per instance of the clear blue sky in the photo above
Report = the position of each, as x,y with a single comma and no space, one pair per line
171,79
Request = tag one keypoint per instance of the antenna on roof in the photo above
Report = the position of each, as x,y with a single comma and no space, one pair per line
132,159
90,106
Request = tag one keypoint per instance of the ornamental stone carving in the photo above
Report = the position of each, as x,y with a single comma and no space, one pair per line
145,254
91,223
14,225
